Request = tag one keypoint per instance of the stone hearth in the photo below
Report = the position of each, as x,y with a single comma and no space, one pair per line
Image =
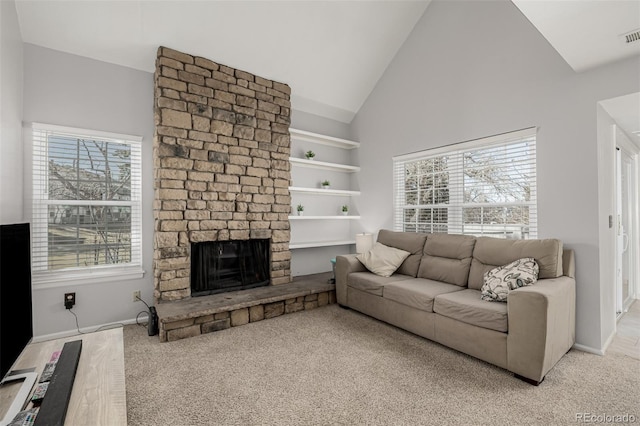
221,165
199,315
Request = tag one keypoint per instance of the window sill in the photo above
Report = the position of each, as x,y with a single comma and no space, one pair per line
62,279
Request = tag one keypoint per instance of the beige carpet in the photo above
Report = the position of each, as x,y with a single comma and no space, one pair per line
333,366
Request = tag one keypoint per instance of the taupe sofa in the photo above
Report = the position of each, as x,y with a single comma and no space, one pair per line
435,293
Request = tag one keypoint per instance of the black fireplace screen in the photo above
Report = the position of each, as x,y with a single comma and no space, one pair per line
221,266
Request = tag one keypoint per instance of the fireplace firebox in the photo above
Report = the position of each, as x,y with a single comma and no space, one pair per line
222,266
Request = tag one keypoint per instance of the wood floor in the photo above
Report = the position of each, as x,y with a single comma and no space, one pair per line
627,339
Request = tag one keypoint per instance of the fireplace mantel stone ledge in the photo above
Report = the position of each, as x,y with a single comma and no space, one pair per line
204,314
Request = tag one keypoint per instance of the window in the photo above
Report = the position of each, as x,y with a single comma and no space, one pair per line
483,187
86,204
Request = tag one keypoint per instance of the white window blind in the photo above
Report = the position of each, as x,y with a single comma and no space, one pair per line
482,187
87,194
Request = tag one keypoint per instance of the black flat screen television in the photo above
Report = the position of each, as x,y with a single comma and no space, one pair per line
16,323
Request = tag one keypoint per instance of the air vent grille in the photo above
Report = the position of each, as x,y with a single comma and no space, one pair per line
631,37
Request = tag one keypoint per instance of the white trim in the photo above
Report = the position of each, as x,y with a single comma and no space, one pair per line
609,341
303,135
601,352
323,165
321,191
116,203
480,142
624,146
588,349
627,145
84,330
42,276
47,280
515,151
322,217
120,137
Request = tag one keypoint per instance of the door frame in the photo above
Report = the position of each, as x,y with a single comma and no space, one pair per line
624,145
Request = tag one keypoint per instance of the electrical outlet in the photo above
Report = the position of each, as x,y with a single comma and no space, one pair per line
136,295
69,300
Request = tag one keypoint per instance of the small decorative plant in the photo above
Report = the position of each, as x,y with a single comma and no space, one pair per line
309,155
300,209
325,184
345,209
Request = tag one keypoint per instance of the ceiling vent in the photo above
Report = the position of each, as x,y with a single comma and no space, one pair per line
631,37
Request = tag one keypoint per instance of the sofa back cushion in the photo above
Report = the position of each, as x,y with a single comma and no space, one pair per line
408,241
489,253
447,258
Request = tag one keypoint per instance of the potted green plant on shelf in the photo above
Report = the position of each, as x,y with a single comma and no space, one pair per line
325,184
300,209
345,210
309,155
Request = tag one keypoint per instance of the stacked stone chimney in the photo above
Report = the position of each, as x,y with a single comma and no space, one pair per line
221,165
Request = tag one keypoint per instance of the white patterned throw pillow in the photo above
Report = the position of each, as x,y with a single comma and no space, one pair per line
499,281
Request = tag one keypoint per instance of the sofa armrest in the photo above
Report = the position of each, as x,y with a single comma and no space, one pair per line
569,263
541,326
345,264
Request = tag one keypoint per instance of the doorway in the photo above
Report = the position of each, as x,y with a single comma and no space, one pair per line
627,236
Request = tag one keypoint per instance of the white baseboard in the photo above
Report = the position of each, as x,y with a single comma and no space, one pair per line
588,349
83,330
608,342
593,350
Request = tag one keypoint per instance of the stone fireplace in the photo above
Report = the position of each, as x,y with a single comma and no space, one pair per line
221,166
222,266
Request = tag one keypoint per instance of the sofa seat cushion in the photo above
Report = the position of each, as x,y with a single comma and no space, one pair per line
468,307
418,293
372,283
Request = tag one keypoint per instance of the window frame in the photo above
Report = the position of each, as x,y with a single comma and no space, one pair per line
42,277
456,204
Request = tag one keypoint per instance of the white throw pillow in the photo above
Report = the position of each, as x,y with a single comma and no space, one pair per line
499,281
383,260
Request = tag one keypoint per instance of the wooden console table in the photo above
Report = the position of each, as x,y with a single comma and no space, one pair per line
98,396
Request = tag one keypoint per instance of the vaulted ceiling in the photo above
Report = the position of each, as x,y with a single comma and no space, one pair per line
586,33
331,53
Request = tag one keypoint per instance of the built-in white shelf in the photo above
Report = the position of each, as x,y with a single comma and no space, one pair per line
320,191
303,135
322,226
323,165
312,244
343,217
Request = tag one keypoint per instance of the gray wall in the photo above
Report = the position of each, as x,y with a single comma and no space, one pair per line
11,153
474,69
469,69
69,90
314,123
